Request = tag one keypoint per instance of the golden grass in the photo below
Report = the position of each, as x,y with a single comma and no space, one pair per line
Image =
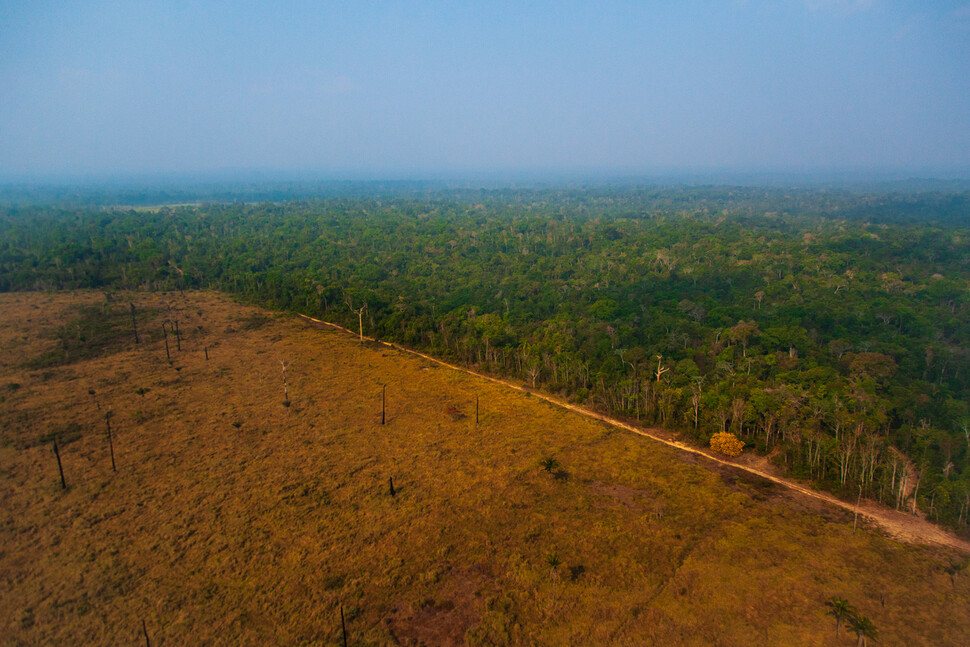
234,519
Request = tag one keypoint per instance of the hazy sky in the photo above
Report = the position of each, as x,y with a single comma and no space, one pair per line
404,89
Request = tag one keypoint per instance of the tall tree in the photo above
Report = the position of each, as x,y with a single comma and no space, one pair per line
841,610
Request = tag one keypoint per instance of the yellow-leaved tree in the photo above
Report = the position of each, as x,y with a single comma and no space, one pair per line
726,443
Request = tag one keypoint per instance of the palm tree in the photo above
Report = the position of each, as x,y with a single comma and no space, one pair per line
841,609
554,562
863,629
549,463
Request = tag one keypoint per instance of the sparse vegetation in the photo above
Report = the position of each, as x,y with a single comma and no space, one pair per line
254,321
65,434
265,535
94,330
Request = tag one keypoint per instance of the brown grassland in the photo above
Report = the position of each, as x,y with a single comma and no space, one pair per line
236,519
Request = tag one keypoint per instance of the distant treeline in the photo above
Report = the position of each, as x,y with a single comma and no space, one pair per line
830,330
909,201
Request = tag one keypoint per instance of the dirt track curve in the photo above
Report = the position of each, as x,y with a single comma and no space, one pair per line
902,526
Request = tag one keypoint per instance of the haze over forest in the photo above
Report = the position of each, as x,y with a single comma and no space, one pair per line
870,89
657,312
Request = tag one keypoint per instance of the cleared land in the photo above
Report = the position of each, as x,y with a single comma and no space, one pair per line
235,519
898,523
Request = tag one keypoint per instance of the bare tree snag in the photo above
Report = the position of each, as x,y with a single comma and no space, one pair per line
390,482
144,631
919,477
286,392
60,468
360,317
360,321
111,445
134,325
384,406
858,502
178,336
476,409
206,349
343,626
168,355
660,369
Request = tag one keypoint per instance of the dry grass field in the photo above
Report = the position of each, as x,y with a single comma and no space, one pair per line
235,518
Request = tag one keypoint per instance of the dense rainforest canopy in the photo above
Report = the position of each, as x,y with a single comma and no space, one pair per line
827,329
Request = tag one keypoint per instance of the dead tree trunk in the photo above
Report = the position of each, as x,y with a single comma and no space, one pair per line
111,445
360,316
384,405
60,468
286,392
134,325
919,477
360,321
858,502
168,355
178,336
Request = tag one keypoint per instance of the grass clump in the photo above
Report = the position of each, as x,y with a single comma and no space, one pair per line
64,435
93,331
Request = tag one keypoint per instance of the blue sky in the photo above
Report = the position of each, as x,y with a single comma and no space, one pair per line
412,89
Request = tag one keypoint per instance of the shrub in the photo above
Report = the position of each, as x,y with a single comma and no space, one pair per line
549,463
727,444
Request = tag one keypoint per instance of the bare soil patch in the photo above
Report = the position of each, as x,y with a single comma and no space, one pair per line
624,495
443,619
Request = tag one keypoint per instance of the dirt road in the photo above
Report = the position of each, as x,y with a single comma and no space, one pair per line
901,525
